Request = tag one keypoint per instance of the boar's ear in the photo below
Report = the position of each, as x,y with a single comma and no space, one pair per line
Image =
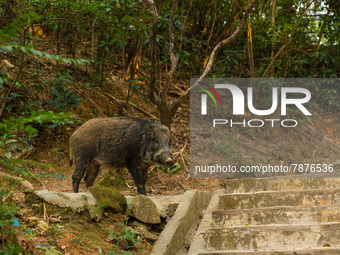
150,130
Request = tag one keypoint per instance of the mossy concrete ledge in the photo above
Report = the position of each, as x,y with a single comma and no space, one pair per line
165,205
96,195
144,209
75,201
176,232
109,198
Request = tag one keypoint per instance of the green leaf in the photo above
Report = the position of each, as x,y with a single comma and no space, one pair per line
36,52
11,141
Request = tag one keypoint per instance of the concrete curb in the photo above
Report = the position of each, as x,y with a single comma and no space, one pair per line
172,239
198,243
75,201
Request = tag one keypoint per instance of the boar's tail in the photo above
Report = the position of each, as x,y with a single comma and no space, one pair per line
71,158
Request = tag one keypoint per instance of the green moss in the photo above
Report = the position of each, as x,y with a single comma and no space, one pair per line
119,181
95,212
108,198
106,181
112,179
230,204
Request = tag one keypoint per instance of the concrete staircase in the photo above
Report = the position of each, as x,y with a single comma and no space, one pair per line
272,216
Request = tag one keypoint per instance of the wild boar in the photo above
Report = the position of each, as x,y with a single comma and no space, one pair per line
119,142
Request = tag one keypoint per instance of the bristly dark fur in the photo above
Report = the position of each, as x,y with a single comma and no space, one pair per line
118,142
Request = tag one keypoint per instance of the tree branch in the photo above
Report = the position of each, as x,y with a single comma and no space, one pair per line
323,28
153,97
173,59
213,54
288,42
230,22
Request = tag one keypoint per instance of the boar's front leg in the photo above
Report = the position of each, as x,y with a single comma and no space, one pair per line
76,178
139,174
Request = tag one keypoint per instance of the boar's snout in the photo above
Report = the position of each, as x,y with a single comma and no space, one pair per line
169,162
165,158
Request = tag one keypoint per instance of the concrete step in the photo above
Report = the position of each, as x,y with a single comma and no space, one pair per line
314,251
276,215
280,198
270,216
278,237
280,184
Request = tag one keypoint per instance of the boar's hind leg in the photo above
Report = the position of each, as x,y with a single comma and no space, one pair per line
91,173
78,175
139,175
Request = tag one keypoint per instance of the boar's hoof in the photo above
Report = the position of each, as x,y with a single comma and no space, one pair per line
141,190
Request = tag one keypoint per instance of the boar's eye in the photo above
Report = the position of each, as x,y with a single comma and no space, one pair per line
156,142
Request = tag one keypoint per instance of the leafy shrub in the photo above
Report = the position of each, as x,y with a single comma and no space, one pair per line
62,98
7,217
24,123
124,239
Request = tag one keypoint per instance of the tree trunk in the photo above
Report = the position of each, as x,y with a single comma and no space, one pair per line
272,71
168,109
165,116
